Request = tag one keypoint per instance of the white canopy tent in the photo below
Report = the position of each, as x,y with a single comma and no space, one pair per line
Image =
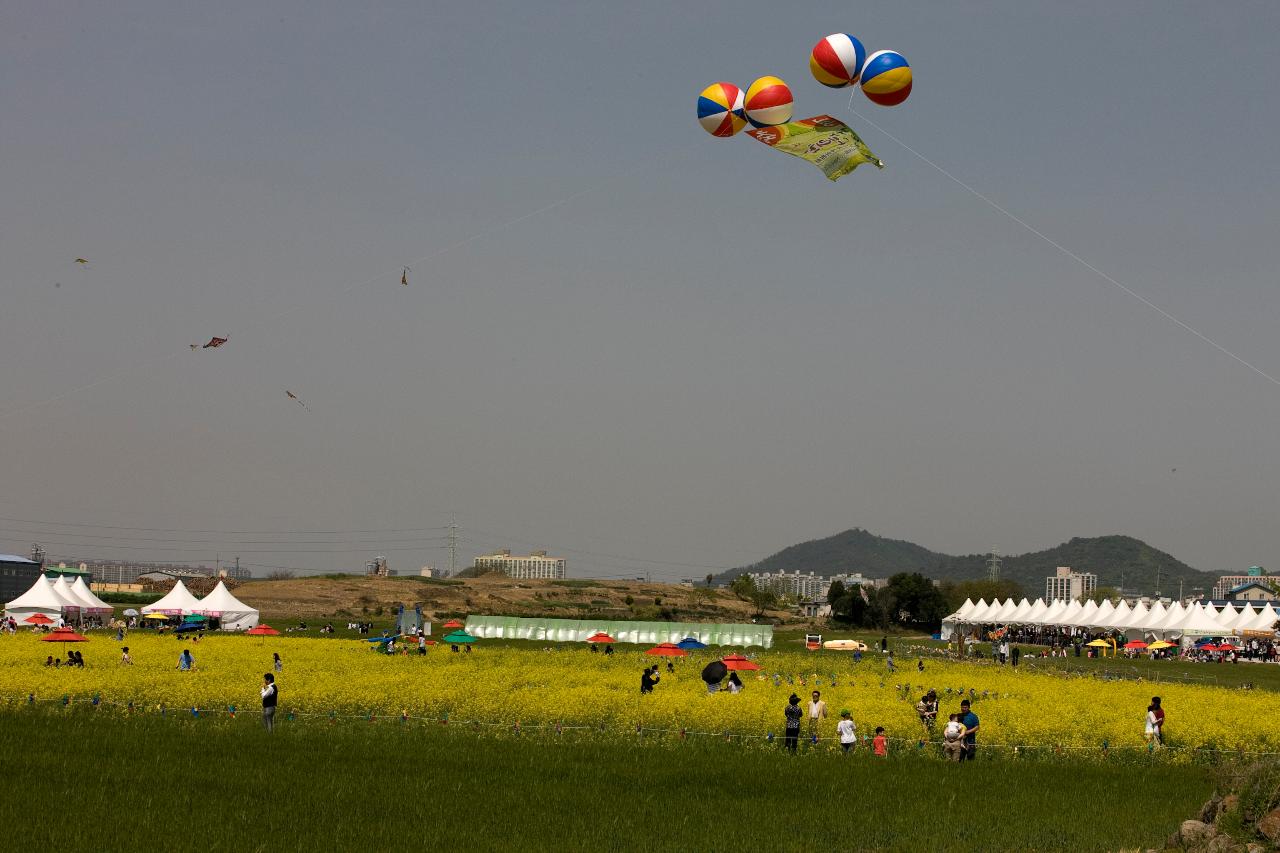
178,602
1265,620
62,589
91,603
39,598
233,614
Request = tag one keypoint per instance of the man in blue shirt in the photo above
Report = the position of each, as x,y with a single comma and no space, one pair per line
185,660
970,722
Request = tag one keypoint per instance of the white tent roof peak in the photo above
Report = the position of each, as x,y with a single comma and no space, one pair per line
1036,615
177,600
220,600
40,596
62,589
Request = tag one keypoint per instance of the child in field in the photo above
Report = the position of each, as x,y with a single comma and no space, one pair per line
847,731
880,743
951,744
124,656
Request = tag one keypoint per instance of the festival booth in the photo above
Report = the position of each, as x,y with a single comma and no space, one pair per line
40,598
648,633
71,606
177,602
90,603
232,613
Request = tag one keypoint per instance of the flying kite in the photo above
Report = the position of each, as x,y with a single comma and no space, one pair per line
294,397
82,261
214,343
404,277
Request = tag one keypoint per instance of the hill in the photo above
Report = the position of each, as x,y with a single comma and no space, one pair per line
1118,561
341,597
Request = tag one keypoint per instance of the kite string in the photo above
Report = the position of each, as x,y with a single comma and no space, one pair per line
1070,254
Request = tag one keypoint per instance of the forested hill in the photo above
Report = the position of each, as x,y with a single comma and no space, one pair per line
1116,560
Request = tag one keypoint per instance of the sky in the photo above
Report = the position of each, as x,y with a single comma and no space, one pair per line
642,348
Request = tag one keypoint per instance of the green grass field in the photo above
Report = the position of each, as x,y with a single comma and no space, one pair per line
87,780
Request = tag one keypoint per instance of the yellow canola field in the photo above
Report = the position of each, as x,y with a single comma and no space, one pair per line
573,687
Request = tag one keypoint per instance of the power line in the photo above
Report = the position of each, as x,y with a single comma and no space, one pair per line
194,530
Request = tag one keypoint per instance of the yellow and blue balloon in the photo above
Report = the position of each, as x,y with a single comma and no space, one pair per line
886,78
720,109
837,60
768,102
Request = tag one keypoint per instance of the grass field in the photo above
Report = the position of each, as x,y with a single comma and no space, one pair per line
96,781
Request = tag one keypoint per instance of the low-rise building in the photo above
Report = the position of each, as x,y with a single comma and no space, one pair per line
1252,591
535,565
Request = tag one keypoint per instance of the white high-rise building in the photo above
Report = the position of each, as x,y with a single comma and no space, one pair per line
1066,585
536,565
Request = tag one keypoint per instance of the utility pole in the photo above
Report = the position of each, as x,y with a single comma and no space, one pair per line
453,547
993,565
1157,583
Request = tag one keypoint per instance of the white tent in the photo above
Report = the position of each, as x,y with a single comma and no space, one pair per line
1020,615
1103,615
1265,620
233,614
1088,614
1200,622
1171,624
1037,613
40,598
92,604
1135,619
1071,615
979,613
179,601
1054,615
1154,617
1005,613
62,589
1118,618
964,611
1242,617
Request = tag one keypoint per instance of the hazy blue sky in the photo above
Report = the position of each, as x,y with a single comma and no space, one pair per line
707,353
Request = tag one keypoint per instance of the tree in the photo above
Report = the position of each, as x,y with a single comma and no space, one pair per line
956,592
1104,593
912,599
710,578
745,589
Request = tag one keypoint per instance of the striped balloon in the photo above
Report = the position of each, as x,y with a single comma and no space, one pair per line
837,60
886,78
720,110
768,102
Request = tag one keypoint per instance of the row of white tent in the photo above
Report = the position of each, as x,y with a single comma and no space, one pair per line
1196,620
57,597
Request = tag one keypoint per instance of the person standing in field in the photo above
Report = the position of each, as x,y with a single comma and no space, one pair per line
648,679
185,661
880,743
124,656
269,697
927,708
952,746
847,730
792,713
970,722
1154,732
276,663
817,711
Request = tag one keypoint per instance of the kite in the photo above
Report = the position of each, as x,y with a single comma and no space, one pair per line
826,142
82,262
294,397
404,277
214,343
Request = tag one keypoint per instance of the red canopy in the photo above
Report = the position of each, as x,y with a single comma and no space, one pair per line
38,619
262,631
1226,647
453,623
601,637
738,662
669,650
63,635
1135,644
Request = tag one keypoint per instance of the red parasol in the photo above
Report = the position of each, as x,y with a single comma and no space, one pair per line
1226,647
739,663
1135,644
667,650
63,635
601,637
262,631
453,623
38,619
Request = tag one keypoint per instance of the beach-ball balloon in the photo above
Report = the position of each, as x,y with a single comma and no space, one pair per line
720,110
886,78
768,102
837,60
